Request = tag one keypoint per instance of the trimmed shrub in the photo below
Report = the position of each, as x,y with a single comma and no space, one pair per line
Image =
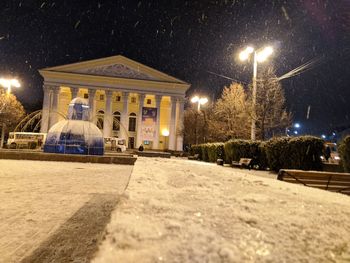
196,149
295,153
344,150
237,149
215,151
205,149
277,153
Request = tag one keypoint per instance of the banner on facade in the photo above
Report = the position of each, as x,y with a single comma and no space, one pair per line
149,122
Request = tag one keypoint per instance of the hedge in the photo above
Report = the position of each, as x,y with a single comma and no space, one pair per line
289,153
295,153
208,152
344,150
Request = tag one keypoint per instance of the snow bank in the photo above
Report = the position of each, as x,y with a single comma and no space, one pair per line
186,211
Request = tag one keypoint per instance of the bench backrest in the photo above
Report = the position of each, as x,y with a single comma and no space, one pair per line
335,182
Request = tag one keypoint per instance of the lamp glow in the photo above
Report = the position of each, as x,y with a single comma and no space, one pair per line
264,54
165,132
8,83
195,99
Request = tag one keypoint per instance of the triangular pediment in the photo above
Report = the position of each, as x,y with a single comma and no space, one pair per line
115,67
116,70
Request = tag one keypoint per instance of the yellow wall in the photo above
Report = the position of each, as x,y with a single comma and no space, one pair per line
65,98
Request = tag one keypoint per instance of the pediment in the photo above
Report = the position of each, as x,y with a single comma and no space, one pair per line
116,70
114,67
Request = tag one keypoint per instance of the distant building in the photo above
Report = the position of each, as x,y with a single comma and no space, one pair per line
127,100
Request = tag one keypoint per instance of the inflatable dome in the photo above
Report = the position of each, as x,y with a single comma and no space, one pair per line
76,135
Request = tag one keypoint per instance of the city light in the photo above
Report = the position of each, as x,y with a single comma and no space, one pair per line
8,83
297,125
200,101
264,54
165,132
244,55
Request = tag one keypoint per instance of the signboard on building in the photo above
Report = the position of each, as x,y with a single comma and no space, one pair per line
149,122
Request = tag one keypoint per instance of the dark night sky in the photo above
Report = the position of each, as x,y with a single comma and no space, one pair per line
187,39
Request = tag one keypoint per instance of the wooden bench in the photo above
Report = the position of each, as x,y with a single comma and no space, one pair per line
194,157
243,163
330,181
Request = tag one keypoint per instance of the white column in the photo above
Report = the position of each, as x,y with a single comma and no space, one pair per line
45,114
172,126
179,125
124,118
139,122
108,118
156,137
54,115
92,105
74,92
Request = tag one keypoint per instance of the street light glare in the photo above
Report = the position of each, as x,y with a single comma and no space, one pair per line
244,55
195,99
15,83
264,54
203,101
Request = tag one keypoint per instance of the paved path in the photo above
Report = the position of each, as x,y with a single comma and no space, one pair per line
55,211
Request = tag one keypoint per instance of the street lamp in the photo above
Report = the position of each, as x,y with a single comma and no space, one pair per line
259,56
8,83
200,101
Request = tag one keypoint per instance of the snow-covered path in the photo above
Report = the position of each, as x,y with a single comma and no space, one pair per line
186,211
49,209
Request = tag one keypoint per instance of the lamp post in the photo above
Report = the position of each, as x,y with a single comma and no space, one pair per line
7,83
258,56
200,101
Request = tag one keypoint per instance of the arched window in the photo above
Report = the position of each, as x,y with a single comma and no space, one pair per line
100,115
116,121
132,122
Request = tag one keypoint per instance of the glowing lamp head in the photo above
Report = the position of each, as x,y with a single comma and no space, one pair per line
195,99
264,54
244,55
165,132
297,125
203,101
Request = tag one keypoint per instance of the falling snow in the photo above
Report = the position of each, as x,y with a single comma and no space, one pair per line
188,40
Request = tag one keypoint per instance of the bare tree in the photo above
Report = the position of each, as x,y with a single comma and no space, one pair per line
271,115
232,109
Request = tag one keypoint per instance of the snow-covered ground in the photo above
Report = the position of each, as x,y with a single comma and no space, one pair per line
176,210
49,209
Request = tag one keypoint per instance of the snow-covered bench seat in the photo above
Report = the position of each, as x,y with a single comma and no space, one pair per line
335,182
243,163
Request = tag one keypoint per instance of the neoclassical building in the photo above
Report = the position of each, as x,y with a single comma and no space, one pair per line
127,100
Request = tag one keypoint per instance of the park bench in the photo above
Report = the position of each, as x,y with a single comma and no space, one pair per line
243,163
194,157
331,181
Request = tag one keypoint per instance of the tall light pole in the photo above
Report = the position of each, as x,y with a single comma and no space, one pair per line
258,56
200,101
7,83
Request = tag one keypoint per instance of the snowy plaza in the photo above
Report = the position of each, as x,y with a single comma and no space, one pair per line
174,210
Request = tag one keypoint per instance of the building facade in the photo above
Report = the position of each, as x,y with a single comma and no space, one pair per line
127,100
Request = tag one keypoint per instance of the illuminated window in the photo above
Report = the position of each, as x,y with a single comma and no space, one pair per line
133,99
149,101
102,97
